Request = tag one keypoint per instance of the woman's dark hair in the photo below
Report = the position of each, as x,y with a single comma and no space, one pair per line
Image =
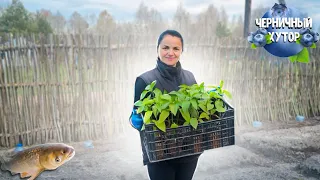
172,33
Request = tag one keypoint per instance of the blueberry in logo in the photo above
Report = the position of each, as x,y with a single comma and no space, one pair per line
279,10
308,37
258,38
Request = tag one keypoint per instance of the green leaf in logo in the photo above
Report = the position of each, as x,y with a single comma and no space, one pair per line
269,41
298,40
303,56
293,58
253,46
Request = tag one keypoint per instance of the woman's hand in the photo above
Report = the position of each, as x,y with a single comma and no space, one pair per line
214,89
136,120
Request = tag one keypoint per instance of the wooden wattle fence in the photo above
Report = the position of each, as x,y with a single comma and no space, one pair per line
78,87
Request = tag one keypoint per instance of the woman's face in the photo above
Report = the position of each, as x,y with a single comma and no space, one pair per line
170,49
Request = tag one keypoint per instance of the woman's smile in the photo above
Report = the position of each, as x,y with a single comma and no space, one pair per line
170,50
171,58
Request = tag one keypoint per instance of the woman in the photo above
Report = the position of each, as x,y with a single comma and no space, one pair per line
169,75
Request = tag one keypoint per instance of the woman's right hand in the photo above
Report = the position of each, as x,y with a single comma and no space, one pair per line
136,120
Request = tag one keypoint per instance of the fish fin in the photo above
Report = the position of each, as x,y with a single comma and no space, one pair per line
13,173
24,175
36,173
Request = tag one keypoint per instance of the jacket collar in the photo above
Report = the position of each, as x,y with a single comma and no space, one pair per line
169,71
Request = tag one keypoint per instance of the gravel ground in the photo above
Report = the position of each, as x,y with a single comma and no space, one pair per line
275,151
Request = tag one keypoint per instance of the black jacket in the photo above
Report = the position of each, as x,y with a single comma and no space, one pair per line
167,78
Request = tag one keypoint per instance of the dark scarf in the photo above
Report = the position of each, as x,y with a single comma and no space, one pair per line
169,72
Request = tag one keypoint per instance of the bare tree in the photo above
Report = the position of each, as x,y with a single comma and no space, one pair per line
238,30
148,22
182,20
142,14
208,20
233,22
105,23
155,22
77,23
223,16
58,23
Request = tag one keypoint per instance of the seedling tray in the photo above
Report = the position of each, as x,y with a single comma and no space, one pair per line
186,141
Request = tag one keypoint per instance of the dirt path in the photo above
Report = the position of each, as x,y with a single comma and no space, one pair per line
282,151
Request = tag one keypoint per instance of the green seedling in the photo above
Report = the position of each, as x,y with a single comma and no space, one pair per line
190,105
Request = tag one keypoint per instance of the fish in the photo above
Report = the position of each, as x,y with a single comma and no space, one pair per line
31,162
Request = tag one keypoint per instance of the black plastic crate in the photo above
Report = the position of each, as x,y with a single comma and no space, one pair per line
185,140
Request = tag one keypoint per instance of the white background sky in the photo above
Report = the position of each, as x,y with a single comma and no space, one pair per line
123,10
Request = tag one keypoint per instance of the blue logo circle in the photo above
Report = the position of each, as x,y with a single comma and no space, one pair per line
283,48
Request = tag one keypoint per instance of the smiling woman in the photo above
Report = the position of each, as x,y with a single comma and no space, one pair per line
168,75
170,49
